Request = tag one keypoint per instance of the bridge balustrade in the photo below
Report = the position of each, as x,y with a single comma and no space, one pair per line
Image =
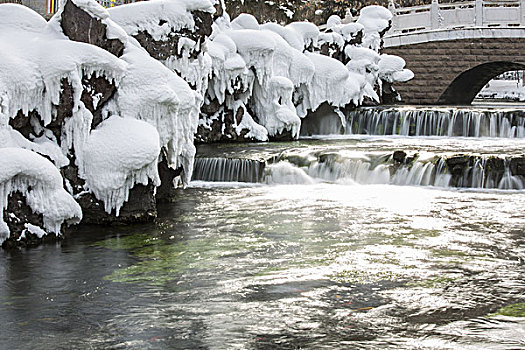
478,13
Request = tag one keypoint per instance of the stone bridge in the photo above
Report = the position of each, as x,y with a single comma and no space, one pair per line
455,49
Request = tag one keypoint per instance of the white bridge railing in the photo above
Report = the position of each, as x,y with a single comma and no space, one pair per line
478,13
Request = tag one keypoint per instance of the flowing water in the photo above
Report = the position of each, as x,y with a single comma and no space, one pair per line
333,242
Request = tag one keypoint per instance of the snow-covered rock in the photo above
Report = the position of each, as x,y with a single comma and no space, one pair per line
40,183
120,153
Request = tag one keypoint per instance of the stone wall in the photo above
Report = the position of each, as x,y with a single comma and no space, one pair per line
454,71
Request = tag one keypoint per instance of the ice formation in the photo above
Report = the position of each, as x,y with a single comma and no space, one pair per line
35,84
152,107
40,182
163,20
392,69
147,16
275,56
120,153
375,20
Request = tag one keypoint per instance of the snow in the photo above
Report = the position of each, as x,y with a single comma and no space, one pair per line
273,54
153,93
93,8
503,89
159,18
375,19
41,183
17,17
35,84
331,83
331,38
392,69
245,21
45,144
275,109
307,31
36,230
288,34
120,153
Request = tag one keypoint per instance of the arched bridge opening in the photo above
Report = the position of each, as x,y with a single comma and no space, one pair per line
453,71
468,84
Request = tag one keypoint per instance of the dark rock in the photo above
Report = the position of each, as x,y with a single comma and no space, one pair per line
63,110
495,165
166,191
22,123
219,11
517,166
98,88
222,128
16,215
164,49
461,160
72,182
399,156
78,25
285,135
410,160
140,207
389,95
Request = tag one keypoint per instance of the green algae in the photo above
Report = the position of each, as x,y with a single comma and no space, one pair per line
161,261
433,282
513,310
129,242
364,277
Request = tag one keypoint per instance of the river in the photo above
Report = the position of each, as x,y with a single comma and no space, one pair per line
323,243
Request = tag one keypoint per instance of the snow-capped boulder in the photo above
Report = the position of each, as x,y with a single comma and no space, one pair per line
32,199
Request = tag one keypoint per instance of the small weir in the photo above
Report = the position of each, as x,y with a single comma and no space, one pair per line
464,171
228,170
397,168
434,121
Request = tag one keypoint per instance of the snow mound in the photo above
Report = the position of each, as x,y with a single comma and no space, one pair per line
245,21
159,18
120,153
392,69
307,31
153,93
375,20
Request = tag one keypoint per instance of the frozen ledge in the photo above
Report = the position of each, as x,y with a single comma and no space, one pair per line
452,34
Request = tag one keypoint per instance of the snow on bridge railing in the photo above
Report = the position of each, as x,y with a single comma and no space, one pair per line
478,13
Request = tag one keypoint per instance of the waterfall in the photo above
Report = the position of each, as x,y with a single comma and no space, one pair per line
439,171
228,170
509,181
436,122
344,167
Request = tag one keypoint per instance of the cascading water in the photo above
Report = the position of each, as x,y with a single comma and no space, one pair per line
343,167
228,170
428,122
430,170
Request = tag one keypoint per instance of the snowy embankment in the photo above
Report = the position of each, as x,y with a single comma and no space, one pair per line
90,100
273,76
512,90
